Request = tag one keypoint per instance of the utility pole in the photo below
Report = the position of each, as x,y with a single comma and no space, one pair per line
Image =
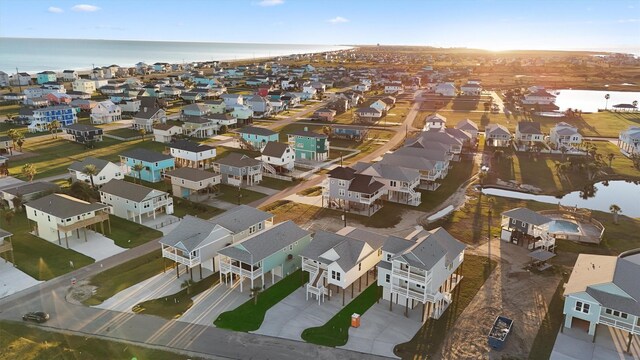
344,215
490,201
18,77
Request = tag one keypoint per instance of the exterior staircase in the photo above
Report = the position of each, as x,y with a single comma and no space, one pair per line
268,168
414,197
245,144
316,287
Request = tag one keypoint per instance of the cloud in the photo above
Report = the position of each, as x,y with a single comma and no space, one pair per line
623,21
55,10
85,8
338,20
270,2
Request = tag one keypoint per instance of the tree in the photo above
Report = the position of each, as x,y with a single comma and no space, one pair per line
53,128
142,132
326,130
17,202
610,157
187,284
90,170
563,150
636,160
606,104
615,210
138,168
223,129
29,171
255,291
635,104
8,216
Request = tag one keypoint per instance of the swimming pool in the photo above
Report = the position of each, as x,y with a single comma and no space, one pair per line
564,226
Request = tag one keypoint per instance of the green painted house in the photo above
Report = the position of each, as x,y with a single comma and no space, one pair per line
275,250
309,145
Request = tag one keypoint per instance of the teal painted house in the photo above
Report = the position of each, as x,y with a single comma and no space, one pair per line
309,145
155,164
271,252
257,137
45,77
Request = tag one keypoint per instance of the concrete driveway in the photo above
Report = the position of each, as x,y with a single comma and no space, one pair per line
13,280
381,330
162,222
208,305
97,245
611,343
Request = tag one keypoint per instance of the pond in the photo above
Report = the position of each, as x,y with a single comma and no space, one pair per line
592,100
597,197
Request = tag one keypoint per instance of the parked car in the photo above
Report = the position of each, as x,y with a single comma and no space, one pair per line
38,316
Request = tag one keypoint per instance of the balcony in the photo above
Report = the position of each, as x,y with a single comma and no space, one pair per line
618,323
226,267
420,296
190,262
310,266
98,217
407,275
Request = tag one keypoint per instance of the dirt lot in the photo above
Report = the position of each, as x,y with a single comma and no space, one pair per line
509,291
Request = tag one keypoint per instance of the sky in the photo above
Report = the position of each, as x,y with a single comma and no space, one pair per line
486,24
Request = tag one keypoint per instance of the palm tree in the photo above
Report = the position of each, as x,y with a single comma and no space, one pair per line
90,170
29,171
615,210
610,157
635,104
53,128
563,150
8,216
142,132
20,141
138,168
606,97
187,285
255,291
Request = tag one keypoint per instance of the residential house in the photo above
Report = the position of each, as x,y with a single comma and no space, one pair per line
368,114
346,189
215,106
603,290
15,97
58,216
154,164
471,89
361,87
105,112
224,119
65,115
231,100
237,168
497,135
37,102
132,201
191,96
4,79
341,260
437,140
192,154
273,250
200,127
6,145
469,127
82,133
540,96
309,145
529,133
435,122
261,107
423,268
21,79
349,132
196,109
433,164
45,77
400,182
186,180
84,85
106,171
26,192
77,95
278,157
166,133
629,141
526,227
56,98
150,114
255,137
446,89
324,114
242,112
565,135
393,88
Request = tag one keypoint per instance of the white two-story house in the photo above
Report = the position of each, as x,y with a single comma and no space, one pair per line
421,269
132,201
400,182
192,154
629,141
529,133
186,181
565,135
105,112
106,171
278,157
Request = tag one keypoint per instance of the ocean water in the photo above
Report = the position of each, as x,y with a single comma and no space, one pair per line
592,100
34,55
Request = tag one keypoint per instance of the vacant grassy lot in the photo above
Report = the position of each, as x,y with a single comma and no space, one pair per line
173,306
40,258
232,195
277,184
19,341
128,234
182,207
127,133
429,338
116,279
335,332
249,316
312,191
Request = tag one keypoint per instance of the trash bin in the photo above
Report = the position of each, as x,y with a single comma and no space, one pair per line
355,320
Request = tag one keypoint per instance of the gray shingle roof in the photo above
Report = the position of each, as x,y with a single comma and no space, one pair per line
395,245
145,155
238,160
365,184
4,233
387,171
256,130
265,243
98,163
193,233
529,127
64,206
348,247
430,249
32,188
190,146
191,174
275,149
127,190
614,301
527,216
241,218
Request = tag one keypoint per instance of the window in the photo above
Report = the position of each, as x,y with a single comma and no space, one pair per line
392,183
379,252
341,192
360,267
387,278
335,275
582,307
342,183
290,247
389,257
252,229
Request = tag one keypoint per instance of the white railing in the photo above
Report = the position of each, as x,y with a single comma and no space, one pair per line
159,203
407,275
268,168
233,181
180,259
309,266
410,293
226,268
619,324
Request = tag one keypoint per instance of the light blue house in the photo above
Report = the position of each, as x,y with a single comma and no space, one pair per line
155,164
275,250
45,77
256,136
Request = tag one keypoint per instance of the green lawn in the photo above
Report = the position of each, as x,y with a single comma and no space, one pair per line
429,338
231,194
128,234
461,172
19,341
39,258
249,316
116,279
125,133
277,184
335,332
173,306
548,331
182,207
